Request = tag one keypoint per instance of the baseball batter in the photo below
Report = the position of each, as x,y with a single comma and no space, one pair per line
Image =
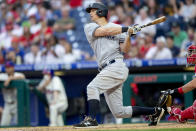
190,113
9,94
109,41
56,97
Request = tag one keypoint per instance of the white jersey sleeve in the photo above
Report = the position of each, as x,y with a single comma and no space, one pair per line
57,83
3,76
43,81
89,30
16,74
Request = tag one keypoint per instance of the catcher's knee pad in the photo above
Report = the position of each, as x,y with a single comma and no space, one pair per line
194,109
92,93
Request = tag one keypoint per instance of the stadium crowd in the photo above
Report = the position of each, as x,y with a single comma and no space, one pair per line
51,31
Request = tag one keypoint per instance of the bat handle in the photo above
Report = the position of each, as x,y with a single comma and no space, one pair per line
142,26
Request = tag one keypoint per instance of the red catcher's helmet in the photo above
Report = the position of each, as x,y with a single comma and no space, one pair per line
191,56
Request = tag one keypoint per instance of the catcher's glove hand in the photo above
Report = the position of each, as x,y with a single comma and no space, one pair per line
165,100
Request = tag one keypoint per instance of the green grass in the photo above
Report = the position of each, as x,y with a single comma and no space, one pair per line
172,129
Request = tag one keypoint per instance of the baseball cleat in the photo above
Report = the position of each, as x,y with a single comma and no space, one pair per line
88,122
155,118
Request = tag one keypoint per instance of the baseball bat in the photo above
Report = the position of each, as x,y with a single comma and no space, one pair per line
156,21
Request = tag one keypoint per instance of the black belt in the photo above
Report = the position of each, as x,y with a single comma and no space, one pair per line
106,64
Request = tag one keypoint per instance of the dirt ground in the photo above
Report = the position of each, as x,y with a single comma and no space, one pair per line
105,127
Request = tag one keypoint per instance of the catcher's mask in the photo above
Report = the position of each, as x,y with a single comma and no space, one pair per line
191,55
102,10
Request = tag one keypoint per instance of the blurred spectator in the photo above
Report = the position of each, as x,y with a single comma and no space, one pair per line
3,11
56,7
64,52
179,35
60,48
75,3
147,44
49,55
53,87
129,7
186,42
1,57
69,57
171,8
35,24
8,31
65,23
142,19
44,12
188,10
120,13
9,94
129,21
112,15
170,44
159,51
194,40
11,56
15,47
27,38
153,9
34,56
10,25
1,112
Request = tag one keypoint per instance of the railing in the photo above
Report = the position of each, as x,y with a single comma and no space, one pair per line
93,64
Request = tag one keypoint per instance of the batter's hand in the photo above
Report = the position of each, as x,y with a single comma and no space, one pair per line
134,29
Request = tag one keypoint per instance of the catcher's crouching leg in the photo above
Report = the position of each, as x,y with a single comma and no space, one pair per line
194,109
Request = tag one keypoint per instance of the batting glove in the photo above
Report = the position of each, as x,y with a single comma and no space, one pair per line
136,28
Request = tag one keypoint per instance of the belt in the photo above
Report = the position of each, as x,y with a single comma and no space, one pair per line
106,64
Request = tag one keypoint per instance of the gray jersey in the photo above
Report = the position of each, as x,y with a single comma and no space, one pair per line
107,47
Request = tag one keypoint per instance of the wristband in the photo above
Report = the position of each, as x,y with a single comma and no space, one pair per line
124,29
180,90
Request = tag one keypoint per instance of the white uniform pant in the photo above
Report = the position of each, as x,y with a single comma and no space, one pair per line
9,113
110,82
56,111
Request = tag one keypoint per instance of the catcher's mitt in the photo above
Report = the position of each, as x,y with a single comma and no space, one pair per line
165,100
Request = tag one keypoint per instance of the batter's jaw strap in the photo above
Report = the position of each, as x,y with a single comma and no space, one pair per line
191,54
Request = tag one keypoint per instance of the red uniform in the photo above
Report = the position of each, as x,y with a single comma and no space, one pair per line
183,115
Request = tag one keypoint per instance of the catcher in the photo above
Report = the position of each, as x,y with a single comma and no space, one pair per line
166,98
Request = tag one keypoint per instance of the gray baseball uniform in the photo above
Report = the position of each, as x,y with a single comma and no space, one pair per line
110,80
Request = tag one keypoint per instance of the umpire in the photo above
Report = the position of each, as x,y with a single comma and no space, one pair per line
109,41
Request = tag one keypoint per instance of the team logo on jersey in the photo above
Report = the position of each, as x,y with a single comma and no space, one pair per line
110,37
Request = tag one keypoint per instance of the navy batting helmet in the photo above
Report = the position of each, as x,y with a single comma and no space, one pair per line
102,10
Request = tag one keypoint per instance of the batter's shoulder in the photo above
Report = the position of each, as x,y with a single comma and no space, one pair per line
90,25
114,25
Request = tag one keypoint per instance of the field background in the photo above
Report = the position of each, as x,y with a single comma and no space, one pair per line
125,127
